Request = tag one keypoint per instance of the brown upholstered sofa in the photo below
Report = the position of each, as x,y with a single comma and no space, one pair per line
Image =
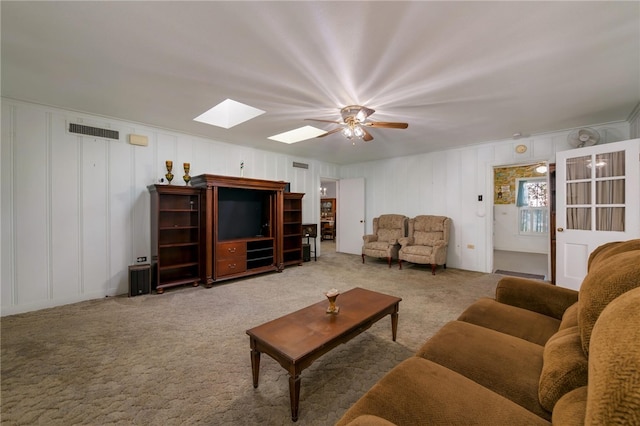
536,354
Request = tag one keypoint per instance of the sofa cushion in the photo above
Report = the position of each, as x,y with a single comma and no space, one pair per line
604,283
504,364
564,367
614,364
570,317
523,323
390,235
571,408
418,391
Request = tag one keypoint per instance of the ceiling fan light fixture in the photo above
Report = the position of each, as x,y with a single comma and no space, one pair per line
347,132
358,132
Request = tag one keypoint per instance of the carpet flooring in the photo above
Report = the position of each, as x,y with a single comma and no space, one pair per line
183,357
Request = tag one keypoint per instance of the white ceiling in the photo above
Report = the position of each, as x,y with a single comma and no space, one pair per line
458,72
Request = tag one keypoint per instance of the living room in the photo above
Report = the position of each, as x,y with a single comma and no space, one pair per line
91,221
76,208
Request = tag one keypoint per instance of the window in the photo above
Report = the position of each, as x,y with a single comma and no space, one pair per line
532,201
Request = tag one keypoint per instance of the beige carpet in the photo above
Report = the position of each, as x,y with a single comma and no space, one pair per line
183,357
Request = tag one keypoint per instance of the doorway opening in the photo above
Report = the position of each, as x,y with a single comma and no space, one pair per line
328,215
521,220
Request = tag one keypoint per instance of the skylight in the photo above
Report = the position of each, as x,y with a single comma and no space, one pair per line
298,135
228,113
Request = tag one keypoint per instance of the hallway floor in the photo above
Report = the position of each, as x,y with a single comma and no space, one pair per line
528,263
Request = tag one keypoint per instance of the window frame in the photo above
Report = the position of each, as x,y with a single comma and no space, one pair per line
528,210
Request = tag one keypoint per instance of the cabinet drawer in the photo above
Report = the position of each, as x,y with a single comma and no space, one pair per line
232,265
231,250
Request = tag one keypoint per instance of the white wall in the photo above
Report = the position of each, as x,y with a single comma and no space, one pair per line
506,235
448,183
75,209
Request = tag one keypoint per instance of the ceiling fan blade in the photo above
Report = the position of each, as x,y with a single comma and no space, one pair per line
324,121
386,124
330,132
367,136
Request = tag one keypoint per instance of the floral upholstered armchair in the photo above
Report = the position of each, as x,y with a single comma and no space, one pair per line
427,241
387,231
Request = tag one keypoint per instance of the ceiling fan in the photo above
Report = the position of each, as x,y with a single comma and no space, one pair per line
354,123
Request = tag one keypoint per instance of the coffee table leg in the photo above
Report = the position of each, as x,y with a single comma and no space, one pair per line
394,323
255,366
294,394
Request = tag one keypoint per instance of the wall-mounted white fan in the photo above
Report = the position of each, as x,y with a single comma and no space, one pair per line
580,138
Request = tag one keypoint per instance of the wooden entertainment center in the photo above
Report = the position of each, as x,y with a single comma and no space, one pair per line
242,226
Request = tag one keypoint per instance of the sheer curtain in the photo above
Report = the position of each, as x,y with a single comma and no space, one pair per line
607,183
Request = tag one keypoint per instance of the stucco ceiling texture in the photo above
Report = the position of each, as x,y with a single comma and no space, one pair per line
458,72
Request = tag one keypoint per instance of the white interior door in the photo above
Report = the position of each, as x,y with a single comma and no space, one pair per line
350,223
598,201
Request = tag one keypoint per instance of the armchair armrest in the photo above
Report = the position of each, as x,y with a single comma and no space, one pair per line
536,296
369,238
406,241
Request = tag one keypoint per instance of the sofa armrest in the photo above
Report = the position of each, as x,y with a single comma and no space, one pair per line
369,238
536,296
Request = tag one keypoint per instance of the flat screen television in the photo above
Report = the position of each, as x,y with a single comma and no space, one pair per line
242,213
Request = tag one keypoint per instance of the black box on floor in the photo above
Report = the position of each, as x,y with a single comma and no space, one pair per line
139,280
306,252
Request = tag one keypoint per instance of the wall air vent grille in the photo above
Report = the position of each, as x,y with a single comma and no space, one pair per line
300,165
93,131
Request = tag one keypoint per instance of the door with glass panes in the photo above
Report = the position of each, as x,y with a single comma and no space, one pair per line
598,201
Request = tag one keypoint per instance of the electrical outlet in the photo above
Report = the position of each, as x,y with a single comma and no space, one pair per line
141,259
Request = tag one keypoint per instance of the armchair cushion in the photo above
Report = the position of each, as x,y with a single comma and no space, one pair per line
390,236
427,238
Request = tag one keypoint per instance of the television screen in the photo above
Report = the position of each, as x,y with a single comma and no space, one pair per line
241,212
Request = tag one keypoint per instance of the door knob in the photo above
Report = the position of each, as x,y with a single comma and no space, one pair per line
560,229
362,221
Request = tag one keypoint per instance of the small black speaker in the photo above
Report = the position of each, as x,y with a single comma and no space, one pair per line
306,252
139,280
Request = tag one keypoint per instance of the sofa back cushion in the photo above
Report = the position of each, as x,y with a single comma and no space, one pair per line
604,282
564,367
614,364
603,252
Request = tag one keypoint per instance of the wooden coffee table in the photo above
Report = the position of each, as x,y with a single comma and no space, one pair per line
298,339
